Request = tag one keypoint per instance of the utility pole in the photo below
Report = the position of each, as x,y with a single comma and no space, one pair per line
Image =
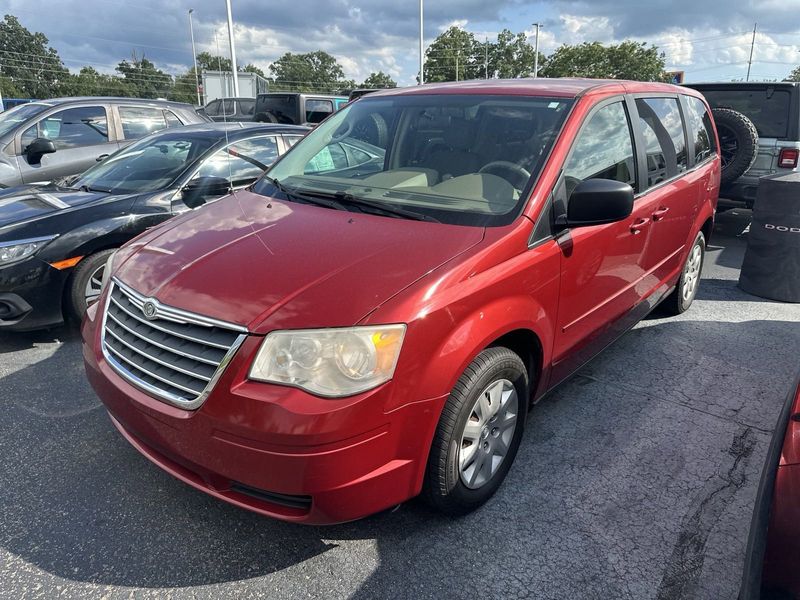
194,56
233,51
752,45
536,52
421,44
486,57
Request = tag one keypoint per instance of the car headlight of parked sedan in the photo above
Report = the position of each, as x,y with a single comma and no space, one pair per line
17,250
334,362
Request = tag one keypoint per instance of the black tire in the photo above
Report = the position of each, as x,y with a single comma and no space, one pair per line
76,291
738,140
372,129
265,117
443,487
678,302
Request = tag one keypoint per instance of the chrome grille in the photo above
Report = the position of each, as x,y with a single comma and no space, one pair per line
171,354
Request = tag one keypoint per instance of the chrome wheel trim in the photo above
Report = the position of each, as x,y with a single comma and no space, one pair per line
691,272
488,433
92,290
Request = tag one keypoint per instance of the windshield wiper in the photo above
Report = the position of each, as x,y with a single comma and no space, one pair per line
383,207
302,197
86,188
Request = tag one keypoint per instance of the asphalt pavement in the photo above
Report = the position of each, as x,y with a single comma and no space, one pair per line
635,479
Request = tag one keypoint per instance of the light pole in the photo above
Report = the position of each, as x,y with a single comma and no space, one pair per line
421,44
233,51
536,52
194,57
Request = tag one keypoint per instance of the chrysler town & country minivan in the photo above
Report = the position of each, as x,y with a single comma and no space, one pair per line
358,328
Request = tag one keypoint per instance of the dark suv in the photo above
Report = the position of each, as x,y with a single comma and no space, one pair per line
759,132
230,109
50,139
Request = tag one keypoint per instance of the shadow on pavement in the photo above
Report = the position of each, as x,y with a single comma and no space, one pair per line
587,505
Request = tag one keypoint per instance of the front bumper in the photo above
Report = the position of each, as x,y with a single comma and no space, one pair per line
31,293
276,450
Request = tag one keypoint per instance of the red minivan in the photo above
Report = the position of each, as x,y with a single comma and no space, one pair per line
373,318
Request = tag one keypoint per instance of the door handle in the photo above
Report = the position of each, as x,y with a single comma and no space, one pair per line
102,157
638,226
659,213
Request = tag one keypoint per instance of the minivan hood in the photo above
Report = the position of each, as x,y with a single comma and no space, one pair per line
24,203
268,264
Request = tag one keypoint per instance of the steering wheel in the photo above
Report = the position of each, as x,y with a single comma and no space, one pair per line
509,171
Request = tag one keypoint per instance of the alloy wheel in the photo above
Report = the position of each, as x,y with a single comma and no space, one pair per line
94,285
691,273
488,433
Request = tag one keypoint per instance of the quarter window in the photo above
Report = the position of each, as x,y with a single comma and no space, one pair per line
140,121
703,145
603,149
242,162
664,141
71,128
172,120
317,110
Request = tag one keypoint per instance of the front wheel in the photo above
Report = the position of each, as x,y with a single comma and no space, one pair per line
682,297
85,283
478,433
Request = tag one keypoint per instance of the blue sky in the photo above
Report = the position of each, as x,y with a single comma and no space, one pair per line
708,39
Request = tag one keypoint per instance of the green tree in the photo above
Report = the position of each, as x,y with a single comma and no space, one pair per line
251,68
212,62
88,82
794,75
30,67
144,79
184,88
627,60
453,56
379,80
311,72
512,56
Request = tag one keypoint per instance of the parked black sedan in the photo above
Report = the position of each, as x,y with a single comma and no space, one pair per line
55,240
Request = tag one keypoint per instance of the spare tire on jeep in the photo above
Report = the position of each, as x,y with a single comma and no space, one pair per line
738,142
265,117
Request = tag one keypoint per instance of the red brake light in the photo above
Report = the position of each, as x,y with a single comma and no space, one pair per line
788,158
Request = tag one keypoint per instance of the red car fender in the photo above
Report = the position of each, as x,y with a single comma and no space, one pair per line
478,330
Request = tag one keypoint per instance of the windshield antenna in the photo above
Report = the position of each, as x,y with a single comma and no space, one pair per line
224,115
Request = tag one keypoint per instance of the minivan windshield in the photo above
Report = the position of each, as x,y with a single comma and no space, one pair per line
12,117
148,165
460,159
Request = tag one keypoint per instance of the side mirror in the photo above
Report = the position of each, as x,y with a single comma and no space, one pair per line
198,191
597,202
38,148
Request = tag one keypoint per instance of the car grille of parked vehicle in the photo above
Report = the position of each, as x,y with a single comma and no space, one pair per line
173,355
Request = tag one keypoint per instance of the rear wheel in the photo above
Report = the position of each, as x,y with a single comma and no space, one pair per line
85,284
686,290
478,433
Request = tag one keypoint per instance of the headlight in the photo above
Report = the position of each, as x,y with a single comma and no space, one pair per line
107,272
11,252
333,362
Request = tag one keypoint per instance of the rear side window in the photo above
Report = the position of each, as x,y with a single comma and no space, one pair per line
139,121
602,150
702,142
664,141
172,120
317,110
247,107
212,108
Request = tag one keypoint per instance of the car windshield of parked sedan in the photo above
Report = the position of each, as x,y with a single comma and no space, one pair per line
19,114
459,159
150,164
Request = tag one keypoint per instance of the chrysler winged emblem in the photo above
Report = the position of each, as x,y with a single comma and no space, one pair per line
149,310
